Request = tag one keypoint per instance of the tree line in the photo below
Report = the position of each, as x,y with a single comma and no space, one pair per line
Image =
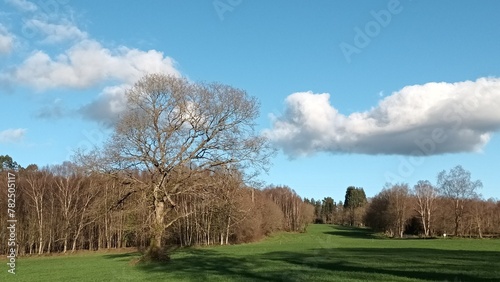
64,207
452,206
348,212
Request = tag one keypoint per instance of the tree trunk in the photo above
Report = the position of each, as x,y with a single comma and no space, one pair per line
79,228
119,234
75,238
458,216
49,246
65,243
158,224
424,225
227,228
155,251
51,228
40,239
478,224
73,247
428,231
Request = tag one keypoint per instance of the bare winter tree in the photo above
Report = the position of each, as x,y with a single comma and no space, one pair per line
425,195
389,210
478,213
458,186
399,203
173,130
36,189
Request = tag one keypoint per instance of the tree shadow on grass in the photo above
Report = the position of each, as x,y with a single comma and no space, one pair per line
330,264
205,264
366,233
126,256
353,232
421,264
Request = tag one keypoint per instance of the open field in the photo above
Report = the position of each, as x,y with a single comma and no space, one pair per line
325,253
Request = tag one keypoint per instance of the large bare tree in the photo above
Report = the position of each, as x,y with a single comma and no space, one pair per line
174,130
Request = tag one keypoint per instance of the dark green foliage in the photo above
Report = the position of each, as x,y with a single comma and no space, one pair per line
7,163
354,197
328,209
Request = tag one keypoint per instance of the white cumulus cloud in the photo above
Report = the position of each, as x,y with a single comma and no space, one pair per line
12,135
429,119
87,64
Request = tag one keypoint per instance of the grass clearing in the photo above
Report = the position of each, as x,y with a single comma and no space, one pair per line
324,253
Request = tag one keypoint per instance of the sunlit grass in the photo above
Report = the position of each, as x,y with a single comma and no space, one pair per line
324,253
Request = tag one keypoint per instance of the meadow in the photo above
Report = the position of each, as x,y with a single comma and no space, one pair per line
323,253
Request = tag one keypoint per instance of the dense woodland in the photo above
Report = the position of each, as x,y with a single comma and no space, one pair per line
64,208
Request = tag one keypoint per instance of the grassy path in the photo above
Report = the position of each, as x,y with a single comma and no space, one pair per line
325,253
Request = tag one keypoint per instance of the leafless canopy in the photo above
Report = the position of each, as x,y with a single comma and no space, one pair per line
171,123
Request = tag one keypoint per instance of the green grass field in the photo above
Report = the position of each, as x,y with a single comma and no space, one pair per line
324,253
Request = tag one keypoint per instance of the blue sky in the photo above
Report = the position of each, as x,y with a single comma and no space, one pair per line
352,92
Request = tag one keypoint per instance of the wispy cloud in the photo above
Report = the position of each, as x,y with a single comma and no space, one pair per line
54,33
54,110
23,5
12,135
429,119
6,40
108,106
